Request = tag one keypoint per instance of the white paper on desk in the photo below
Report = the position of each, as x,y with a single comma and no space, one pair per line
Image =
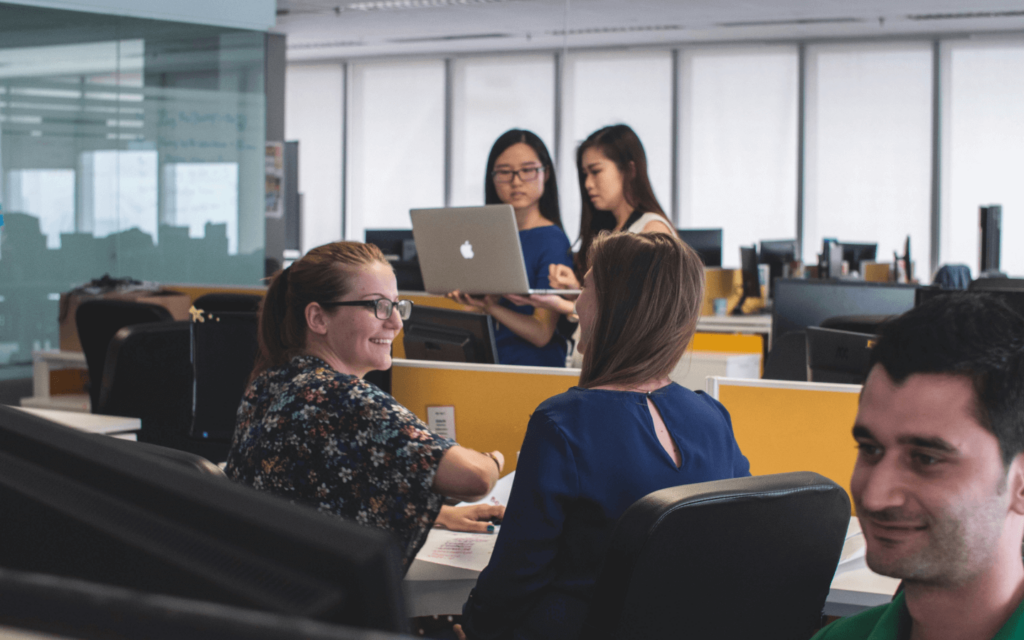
499,495
457,549
854,548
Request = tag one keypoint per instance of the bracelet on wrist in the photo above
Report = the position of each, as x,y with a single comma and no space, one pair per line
495,458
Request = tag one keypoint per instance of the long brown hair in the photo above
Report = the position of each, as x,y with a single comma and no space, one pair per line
620,144
649,288
322,275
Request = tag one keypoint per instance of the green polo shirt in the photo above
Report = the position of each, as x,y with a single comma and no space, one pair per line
892,622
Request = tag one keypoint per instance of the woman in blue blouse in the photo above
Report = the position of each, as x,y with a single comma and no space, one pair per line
520,173
591,452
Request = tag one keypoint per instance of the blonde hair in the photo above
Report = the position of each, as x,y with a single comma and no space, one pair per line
649,289
322,275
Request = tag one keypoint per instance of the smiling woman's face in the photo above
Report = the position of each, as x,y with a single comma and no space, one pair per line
519,193
359,341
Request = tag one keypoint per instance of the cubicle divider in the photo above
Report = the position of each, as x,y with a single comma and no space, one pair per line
792,426
491,403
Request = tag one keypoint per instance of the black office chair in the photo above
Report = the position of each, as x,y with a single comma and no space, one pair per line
148,375
730,559
97,321
788,358
223,351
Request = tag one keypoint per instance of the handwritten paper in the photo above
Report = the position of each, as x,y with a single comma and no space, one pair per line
457,549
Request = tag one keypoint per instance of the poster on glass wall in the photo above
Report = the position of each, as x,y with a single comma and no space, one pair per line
275,179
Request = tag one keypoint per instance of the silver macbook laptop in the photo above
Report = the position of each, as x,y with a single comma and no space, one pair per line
474,250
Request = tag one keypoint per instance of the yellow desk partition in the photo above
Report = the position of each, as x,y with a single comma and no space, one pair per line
727,342
792,426
492,402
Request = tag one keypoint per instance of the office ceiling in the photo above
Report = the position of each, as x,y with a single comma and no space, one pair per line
331,29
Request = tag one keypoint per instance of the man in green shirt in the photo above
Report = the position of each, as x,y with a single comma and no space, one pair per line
939,479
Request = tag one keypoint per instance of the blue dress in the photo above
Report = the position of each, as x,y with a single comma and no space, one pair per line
588,455
542,246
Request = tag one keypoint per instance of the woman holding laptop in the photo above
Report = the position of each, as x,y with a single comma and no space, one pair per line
310,429
520,173
591,452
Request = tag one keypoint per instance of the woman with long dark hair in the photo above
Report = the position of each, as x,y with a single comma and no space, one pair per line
616,195
591,452
520,173
309,427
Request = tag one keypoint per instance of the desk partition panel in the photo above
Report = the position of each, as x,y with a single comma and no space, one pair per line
792,426
492,403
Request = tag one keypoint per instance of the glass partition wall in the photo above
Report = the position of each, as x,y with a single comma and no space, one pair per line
128,147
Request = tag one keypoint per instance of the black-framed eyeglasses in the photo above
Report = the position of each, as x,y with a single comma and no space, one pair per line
526,174
382,307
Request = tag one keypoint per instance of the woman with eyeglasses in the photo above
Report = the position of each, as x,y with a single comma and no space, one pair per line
520,173
309,427
591,452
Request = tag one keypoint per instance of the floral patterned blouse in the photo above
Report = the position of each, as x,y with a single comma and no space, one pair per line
341,445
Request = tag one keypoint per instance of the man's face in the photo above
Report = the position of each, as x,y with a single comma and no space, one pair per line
929,485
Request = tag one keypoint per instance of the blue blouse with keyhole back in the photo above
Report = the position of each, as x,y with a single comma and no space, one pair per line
588,455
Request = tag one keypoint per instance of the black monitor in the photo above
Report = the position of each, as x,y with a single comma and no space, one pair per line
856,252
399,248
706,242
751,282
991,232
807,303
838,356
59,607
830,264
778,254
79,506
447,335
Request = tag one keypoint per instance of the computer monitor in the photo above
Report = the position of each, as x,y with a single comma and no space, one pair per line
706,242
751,283
830,264
79,506
838,356
399,248
447,335
991,232
856,252
777,254
55,607
807,303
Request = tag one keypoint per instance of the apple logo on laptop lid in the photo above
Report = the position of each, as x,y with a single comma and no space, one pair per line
467,250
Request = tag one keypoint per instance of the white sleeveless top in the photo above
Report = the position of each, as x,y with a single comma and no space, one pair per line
642,222
576,358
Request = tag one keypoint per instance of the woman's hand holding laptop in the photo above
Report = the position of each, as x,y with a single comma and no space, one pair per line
560,276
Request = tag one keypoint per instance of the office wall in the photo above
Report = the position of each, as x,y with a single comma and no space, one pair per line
863,141
314,115
128,147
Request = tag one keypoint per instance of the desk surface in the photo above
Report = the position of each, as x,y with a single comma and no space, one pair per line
757,323
90,422
435,589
